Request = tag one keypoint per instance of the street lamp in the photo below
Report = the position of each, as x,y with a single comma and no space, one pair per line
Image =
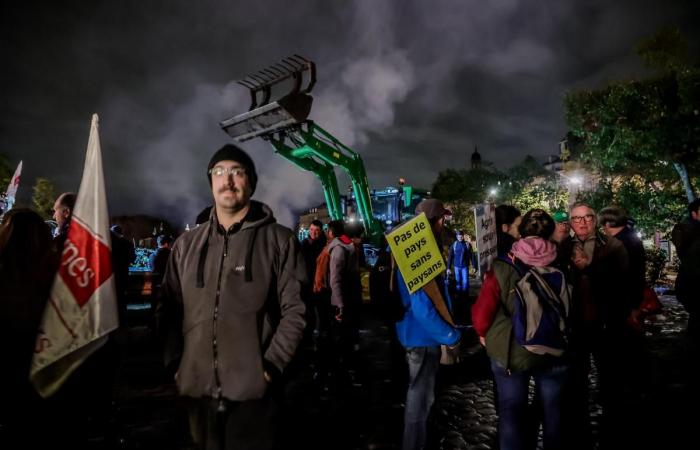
492,194
575,180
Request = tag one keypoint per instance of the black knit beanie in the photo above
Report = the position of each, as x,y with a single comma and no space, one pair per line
230,152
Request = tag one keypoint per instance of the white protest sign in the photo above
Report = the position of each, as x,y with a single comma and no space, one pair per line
485,221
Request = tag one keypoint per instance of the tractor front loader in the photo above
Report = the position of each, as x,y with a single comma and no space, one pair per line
284,124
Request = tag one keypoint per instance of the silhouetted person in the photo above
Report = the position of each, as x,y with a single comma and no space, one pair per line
27,269
123,255
686,239
158,261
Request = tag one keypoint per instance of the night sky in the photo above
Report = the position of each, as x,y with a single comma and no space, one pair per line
411,85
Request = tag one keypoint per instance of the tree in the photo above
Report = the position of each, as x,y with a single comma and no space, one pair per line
462,189
652,206
650,126
6,172
599,198
529,185
544,194
522,174
44,197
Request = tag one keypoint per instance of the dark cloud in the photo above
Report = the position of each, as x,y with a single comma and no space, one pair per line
411,85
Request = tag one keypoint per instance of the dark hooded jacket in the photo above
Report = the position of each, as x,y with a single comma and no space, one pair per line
234,298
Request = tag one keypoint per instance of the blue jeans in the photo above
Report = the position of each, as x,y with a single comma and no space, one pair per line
423,364
462,278
518,421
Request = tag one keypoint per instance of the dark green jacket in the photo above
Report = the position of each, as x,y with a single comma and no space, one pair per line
499,338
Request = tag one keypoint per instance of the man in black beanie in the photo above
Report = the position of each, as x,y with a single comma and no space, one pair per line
235,283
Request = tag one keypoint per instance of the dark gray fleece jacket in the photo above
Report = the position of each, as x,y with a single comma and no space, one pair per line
234,297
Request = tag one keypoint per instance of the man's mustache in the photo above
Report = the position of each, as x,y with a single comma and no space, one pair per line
229,188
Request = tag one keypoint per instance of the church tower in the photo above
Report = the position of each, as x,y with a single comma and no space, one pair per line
476,158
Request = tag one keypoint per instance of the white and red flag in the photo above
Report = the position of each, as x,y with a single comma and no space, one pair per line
11,192
82,308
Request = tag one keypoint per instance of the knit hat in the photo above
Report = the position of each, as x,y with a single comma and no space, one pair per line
230,152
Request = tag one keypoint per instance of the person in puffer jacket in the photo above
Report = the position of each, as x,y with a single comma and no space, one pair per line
512,364
231,311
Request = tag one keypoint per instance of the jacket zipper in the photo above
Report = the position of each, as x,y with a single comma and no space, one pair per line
217,379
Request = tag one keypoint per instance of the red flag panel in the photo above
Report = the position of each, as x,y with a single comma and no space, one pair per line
85,263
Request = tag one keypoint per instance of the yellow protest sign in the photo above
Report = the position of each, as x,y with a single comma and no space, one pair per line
416,252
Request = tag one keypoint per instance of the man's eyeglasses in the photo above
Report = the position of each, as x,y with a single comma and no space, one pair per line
588,218
219,171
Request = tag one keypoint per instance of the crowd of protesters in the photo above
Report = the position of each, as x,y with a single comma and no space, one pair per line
236,296
604,270
597,261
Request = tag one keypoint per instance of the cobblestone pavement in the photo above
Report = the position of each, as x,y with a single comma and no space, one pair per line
365,409
464,415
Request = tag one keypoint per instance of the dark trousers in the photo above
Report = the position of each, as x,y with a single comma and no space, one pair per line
624,374
229,425
518,423
423,365
341,342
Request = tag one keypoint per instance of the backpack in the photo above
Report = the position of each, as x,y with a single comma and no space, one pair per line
541,311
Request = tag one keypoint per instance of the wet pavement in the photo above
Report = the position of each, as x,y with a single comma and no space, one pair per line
464,416
364,410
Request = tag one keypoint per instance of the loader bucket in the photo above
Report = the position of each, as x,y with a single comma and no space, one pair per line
265,117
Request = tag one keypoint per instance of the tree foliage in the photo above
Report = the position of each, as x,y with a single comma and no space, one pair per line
44,197
6,172
461,189
526,185
545,194
523,174
652,206
651,126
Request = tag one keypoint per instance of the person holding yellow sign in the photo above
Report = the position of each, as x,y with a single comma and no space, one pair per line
426,324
